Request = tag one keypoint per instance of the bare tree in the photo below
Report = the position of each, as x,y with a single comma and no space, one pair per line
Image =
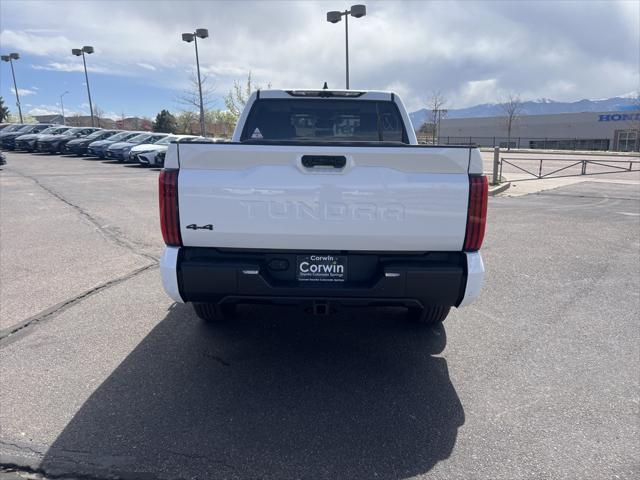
99,114
190,98
239,95
512,107
437,111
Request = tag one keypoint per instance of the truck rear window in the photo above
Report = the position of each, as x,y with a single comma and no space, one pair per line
324,120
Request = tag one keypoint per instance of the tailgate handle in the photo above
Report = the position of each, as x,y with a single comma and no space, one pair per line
335,161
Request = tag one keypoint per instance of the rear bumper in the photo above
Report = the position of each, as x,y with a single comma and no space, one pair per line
211,275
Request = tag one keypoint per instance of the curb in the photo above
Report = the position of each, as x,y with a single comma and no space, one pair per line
494,190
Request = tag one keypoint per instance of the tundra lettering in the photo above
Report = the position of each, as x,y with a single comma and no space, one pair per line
336,211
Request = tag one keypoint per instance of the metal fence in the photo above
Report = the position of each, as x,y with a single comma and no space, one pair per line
534,168
588,144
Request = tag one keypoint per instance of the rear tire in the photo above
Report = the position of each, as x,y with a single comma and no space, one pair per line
214,312
429,315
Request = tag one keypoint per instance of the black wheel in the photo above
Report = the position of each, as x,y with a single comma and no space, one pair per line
429,315
214,312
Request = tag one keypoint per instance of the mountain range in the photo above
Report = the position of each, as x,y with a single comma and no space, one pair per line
542,106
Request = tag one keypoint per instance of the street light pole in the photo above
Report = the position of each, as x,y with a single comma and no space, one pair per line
346,46
10,58
193,37
78,52
335,16
202,122
64,121
86,77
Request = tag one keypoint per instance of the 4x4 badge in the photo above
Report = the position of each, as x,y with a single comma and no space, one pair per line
193,226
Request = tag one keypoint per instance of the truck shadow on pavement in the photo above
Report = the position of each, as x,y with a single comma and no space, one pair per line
273,394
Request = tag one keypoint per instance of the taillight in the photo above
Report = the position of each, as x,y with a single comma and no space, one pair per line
169,214
477,213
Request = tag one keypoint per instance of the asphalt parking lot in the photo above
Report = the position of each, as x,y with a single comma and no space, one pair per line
104,377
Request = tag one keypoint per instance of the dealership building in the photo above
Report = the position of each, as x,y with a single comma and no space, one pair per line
617,131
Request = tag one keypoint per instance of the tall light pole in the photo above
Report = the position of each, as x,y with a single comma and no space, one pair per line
335,16
193,37
78,52
64,122
10,58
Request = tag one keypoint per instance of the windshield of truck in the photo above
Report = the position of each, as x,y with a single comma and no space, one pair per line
324,120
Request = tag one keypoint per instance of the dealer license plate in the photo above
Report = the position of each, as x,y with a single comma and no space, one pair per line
322,268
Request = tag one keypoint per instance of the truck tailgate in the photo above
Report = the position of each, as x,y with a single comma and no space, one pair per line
404,198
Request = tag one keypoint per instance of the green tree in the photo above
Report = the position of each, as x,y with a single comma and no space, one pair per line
165,122
220,123
239,95
4,111
186,121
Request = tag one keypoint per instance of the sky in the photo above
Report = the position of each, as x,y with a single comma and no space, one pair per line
472,51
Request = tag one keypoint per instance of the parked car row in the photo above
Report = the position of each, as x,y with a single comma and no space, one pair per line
145,148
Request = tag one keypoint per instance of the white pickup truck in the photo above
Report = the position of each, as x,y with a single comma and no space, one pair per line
323,197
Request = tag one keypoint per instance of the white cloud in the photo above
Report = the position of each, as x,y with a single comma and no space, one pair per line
471,51
82,109
112,116
23,92
479,91
33,42
46,110
146,66
71,67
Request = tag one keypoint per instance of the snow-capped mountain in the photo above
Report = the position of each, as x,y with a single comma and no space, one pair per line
543,106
